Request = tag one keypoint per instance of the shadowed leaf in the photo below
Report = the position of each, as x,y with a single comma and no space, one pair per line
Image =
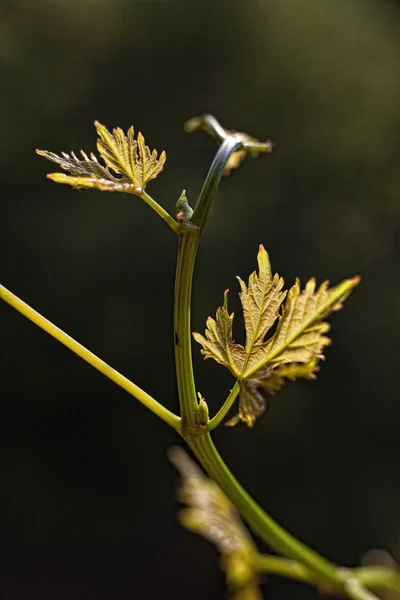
251,400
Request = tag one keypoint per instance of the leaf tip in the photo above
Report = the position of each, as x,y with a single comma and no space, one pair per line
225,306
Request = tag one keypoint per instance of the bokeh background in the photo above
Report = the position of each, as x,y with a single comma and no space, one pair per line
89,496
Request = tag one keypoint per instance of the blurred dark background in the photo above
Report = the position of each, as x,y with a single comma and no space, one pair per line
89,496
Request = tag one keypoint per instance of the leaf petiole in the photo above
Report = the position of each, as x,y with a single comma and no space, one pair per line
160,211
223,411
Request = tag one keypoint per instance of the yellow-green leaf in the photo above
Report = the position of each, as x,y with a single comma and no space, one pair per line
105,185
260,300
117,149
147,165
131,160
291,352
300,332
211,514
218,343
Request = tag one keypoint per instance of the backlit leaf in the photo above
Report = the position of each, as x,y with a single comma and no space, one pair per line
261,301
128,156
218,343
291,352
131,161
211,514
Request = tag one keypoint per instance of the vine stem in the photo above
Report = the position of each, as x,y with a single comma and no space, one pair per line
189,238
279,539
202,444
223,411
302,562
96,362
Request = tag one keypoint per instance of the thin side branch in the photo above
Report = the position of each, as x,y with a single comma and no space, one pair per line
31,314
223,411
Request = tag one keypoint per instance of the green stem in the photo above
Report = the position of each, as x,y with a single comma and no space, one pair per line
285,567
188,243
223,411
369,577
354,589
202,445
160,211
189,238
279,539
378,577
31,314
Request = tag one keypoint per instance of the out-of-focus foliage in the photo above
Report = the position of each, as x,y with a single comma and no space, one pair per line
211,514
209,124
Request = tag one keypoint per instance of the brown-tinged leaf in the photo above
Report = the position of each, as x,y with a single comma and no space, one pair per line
297,344
252,402
211,514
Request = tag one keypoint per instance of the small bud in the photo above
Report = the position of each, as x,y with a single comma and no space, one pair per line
202,416
183,210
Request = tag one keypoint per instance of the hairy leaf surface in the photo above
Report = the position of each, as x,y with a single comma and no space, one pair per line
218,343
130,159
291,352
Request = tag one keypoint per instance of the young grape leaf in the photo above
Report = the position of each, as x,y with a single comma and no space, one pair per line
294,349
251,146
211,514
269,380
218,343
131,160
